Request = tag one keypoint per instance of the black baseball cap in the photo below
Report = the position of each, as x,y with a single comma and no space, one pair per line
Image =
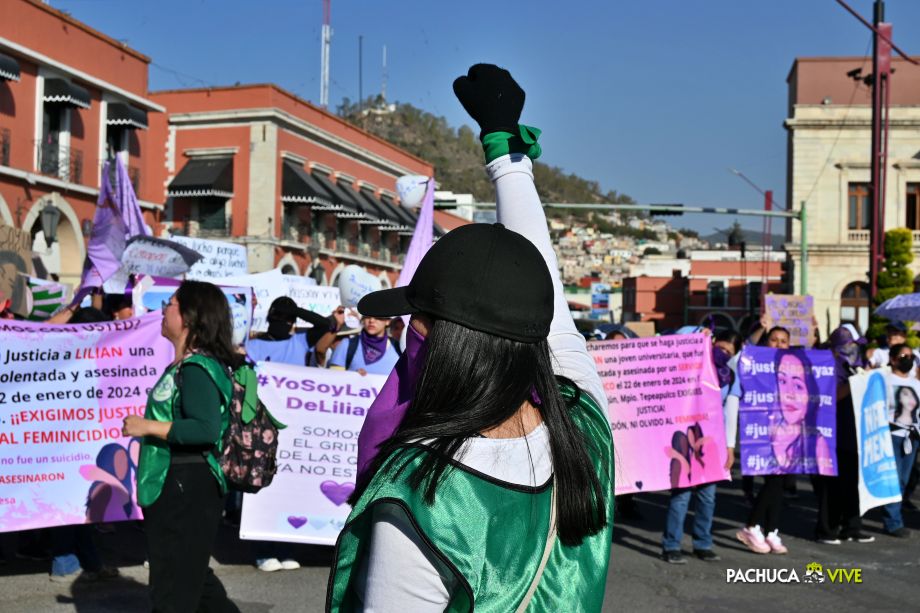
481,276
896,326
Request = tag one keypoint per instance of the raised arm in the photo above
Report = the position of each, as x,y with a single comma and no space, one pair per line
492,98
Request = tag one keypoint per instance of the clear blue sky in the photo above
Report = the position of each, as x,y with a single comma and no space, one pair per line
652,98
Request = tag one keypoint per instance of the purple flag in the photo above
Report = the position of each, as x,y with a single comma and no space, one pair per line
422,237
118,218
390,405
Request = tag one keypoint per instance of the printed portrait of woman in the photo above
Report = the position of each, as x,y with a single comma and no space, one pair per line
795,437
906,406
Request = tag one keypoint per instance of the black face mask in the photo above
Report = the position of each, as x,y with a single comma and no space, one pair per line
904,363
279,330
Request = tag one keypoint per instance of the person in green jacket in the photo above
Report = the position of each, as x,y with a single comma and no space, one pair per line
179,483
493,490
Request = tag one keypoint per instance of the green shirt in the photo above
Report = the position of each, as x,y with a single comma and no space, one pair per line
489,534
195,421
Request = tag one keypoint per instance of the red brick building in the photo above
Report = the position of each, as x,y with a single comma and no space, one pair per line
67,102
717,284
252,164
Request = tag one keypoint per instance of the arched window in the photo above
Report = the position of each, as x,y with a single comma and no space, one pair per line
854,305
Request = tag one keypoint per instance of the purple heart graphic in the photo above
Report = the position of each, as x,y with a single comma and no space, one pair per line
297,522
336,492
639,485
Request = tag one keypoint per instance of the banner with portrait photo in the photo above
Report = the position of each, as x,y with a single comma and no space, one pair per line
878,474
317,452
665,411
786,417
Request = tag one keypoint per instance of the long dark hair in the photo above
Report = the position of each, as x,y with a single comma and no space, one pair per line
473,381
206,314
811,415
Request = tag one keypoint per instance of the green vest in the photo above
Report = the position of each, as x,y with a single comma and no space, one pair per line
490,534
161,403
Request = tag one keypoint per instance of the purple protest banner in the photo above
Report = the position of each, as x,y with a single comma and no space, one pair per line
64,393
786,419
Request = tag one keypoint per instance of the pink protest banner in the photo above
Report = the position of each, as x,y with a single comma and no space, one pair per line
665,410
64,393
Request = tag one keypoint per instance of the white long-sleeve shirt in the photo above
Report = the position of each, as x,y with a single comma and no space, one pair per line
400,573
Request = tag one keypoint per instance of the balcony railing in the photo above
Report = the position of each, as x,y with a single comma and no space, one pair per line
65,163
858,236
5,142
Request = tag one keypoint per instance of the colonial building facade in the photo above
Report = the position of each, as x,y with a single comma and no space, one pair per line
829,132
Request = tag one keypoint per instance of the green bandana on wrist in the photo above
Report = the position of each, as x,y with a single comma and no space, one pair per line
497,144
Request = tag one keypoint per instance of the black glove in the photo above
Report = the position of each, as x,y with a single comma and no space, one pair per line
492,98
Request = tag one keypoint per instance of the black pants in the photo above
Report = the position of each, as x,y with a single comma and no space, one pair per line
181,527
769,504
838,499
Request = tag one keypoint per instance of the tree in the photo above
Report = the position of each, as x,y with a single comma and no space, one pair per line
652,251
895,278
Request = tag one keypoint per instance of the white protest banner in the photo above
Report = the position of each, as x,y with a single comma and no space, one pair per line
266,286
218,259
878,472
64,393
151,292
158,257
308,295
317,452
355,283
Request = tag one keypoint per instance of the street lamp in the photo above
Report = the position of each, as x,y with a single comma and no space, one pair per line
50,215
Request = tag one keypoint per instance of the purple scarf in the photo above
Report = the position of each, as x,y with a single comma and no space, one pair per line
720,359
373,346
388,409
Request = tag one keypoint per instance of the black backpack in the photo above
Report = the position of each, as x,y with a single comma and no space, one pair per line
249,448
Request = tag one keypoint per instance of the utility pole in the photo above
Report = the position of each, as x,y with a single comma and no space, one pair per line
326,43
360,73
383,84
881,69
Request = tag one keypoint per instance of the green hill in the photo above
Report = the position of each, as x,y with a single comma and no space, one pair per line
457,154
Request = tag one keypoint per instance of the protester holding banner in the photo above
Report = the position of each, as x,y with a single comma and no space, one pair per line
371,351
761,532
179,483
282,343
467,518
72,547
838,516
703,497
904,417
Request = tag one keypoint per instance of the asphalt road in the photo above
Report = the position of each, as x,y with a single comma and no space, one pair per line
638,580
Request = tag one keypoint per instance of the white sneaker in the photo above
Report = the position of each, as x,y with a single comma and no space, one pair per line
269,565
290,564
776,543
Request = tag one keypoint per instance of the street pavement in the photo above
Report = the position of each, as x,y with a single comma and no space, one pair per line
637,581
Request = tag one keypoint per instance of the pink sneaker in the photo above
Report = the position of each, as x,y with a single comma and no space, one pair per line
775,543
753,538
